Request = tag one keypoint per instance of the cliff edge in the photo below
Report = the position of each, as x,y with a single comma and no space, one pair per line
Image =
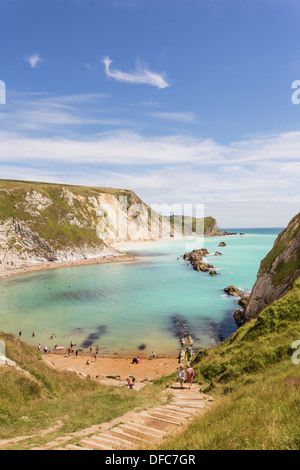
278,270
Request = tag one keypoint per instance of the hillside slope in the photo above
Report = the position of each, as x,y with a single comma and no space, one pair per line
54,222
39,403
255,384
41,221
278,270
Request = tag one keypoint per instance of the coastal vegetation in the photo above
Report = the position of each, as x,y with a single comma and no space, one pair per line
35,397
45,222
278,270
255,384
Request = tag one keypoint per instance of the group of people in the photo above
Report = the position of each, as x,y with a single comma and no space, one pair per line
189,375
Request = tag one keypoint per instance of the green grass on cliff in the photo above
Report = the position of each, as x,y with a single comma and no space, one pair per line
284,270
191,224
35,402
52,223
255,384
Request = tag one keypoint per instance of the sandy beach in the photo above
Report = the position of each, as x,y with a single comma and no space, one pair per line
114,370
14,271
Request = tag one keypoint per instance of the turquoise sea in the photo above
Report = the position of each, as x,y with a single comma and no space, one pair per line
124,306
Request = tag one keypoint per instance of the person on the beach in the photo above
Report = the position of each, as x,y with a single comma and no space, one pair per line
134,360
39,347
181,375
131,381
45,350
190,375
76,353
20,334
137,360
88,362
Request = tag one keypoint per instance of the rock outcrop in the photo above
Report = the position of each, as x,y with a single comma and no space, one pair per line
195,257
278,270
234,291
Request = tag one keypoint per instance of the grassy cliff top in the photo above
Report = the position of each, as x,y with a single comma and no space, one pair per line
284,258
188,223
51,222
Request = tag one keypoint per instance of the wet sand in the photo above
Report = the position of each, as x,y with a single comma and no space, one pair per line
114,370
15,271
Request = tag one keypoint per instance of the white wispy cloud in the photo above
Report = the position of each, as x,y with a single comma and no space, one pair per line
89,66
252,181
42,112
176,116
33,60
140,76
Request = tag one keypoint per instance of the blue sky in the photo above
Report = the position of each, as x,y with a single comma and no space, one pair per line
183,101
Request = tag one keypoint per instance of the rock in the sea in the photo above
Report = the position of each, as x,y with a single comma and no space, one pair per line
222,244
187,340
213,273
239,316
243,301
195,258
232,290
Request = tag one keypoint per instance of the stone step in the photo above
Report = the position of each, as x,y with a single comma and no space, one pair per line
119,432
189,403
172,409
113,440
189,397
137,432
90,444
73,447
148,415
190,411
157,432
167,414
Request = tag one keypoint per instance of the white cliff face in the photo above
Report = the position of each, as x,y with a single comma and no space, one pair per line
67,225
36,202
118,222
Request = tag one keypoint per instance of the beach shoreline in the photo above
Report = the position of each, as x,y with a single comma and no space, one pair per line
7,272
16,271
114,371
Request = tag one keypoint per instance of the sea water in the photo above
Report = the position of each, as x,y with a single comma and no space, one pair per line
135,307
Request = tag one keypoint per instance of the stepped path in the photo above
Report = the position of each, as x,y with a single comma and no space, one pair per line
141,429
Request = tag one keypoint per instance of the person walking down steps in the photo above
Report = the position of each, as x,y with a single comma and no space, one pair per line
181,375
190,375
